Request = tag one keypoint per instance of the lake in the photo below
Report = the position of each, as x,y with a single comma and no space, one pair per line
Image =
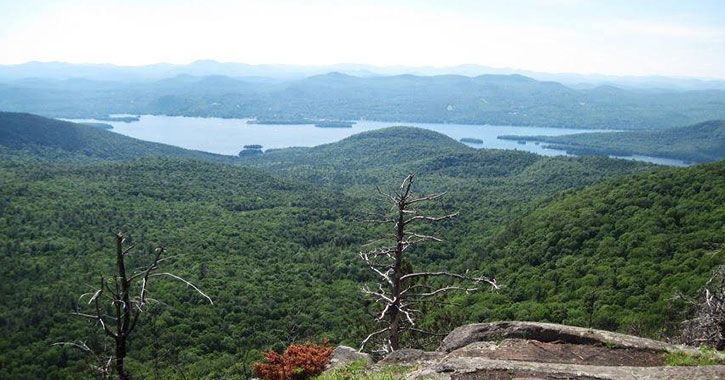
228,136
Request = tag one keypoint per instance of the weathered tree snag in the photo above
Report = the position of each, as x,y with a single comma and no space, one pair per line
708,326
125,309
400,289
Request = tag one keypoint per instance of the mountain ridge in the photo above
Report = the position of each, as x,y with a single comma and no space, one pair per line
283,71
486,99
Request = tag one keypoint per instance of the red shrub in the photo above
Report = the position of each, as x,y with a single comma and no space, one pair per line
298,362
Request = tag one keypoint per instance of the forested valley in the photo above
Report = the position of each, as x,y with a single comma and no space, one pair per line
274,238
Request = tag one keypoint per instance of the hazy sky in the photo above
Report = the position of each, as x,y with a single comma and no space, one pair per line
641,37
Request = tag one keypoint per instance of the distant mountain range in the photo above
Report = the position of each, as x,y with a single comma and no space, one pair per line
485,99
109,72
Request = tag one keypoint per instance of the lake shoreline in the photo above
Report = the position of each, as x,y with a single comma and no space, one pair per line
227,136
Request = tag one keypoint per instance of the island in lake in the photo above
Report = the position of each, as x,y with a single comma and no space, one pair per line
122,119
316,123
471,140
99,125
281,122
334,124
251,149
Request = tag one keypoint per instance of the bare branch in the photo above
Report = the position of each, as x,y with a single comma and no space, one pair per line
127,250
453,275
420,238
430,218
390,197
426,198
708,325
380,294
184,281
84,315
390,265
365,341
80,345
127,309
95,295
405,187
442,290
407,314
374,267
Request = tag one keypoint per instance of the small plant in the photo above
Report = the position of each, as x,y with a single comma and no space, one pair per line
297,362
359,371
707,356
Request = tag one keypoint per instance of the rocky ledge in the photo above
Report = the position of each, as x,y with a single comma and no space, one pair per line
544,351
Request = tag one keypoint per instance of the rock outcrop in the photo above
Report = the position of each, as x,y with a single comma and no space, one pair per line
489,369
412,357
545,351
344,355
549,332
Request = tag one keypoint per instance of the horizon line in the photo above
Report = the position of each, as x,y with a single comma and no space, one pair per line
397,66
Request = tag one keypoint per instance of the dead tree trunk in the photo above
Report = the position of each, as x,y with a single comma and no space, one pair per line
123,312
126,309
708,326
399,292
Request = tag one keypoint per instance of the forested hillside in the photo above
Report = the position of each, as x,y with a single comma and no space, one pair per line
268,252
274,243
703,142
485,99
25,135
611,256
595,248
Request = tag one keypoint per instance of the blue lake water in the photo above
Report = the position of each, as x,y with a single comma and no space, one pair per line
228,136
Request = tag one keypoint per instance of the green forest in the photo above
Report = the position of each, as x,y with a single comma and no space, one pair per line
702,142
485,99
273,239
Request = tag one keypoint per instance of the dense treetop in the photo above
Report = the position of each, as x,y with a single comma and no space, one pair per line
703,142
610,256
273,239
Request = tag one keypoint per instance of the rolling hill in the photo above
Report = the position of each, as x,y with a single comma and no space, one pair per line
273,239
702,142
613,255
27,135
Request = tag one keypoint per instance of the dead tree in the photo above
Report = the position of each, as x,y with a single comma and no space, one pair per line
118,305
400,290
101,359
708,326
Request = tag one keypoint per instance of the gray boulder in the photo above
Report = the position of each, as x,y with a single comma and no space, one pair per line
550,332
411,356
546,351
480,368
343,355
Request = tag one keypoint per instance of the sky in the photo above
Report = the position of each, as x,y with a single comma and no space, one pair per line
632,37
